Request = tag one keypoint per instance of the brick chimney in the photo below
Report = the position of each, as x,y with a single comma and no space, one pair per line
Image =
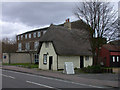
67,24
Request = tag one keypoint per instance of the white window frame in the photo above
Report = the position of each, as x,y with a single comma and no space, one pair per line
113,58
39,34
34,34
29,35
25,36
44,58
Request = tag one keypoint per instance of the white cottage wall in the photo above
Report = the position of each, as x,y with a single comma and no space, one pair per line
63,59
88,62
50,51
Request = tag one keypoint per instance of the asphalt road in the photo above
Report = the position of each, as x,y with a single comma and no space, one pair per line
12,79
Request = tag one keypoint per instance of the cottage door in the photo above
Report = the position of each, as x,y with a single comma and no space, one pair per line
81,62
50,62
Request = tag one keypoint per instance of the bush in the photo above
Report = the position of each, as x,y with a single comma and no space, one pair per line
93,69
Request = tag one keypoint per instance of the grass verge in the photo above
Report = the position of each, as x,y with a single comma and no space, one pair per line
25,65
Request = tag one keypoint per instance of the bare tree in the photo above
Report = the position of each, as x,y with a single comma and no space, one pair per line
102,18
8,45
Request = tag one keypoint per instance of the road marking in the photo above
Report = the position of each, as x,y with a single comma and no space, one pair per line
39,84
58,80
7,76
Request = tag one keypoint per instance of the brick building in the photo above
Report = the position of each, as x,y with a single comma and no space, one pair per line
110,55
28,42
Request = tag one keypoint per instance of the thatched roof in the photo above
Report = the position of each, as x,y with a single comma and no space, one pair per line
67,42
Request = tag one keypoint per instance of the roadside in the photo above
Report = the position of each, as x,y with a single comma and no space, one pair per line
78,78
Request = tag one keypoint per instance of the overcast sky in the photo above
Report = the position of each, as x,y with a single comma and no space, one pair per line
19,17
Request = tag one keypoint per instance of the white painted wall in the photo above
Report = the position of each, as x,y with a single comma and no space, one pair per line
75,60
51,52
63,59
88,62
5,60
17,58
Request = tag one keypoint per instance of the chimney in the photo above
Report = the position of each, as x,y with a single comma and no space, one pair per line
67,24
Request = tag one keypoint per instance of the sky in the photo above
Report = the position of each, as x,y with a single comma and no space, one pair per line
19,17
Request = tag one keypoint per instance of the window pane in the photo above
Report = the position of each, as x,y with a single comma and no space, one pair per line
113,58
38,34
19,46
25,36
117,58
34,35
27,46
29,35
45,59
36,44
21,37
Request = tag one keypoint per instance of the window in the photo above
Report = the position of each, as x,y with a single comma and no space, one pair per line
47,44
27,46
19,46
44,32
113,58
29,35
21,37
25,36
117,58
18,38
86,58
45,59
38,34
36,58
36,44
34,35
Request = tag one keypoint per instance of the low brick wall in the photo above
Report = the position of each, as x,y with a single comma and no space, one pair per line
17,58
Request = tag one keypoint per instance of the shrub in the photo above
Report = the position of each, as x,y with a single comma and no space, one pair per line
93,69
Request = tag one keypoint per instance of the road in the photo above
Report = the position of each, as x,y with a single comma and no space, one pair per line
12,79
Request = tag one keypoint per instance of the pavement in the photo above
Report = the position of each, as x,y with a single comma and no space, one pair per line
89,79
